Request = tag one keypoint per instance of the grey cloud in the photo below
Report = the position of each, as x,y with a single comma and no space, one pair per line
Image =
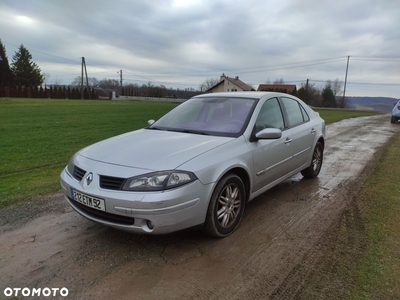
206,38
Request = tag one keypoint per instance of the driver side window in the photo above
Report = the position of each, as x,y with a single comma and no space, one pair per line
270,116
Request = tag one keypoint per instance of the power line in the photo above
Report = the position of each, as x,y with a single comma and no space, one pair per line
286,65
247,70
362,83
378,57
67,59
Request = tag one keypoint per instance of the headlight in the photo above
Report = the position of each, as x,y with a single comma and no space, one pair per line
158,181
70,167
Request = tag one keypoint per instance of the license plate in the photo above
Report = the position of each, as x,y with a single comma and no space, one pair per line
87,200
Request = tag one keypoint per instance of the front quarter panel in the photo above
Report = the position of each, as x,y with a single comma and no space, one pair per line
212,165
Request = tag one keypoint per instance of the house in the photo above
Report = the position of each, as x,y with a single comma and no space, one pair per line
283,88
229,84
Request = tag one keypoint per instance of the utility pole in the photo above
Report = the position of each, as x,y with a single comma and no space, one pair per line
83,60
345,80
120,77
87,80
306,100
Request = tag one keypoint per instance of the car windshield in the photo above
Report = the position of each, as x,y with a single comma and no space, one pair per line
223,116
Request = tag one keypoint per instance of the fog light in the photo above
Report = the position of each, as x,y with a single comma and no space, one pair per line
150,224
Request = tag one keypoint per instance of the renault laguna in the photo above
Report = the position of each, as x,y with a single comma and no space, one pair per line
198,165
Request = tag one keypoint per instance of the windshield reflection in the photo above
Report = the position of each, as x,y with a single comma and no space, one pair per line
215,116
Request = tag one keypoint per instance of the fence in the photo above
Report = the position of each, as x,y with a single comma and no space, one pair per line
52,92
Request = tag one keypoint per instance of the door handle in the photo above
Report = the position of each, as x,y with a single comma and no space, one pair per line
288,140
313,131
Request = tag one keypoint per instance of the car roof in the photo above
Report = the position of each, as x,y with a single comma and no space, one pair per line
245,94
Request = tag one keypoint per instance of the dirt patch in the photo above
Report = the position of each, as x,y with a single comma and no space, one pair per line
285,236
15,216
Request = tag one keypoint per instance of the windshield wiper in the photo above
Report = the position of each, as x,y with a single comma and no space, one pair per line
155,128
189,131
195,132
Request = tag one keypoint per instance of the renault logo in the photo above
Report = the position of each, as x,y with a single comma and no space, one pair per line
89,178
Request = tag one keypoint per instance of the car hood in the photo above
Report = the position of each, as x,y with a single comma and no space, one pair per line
152,149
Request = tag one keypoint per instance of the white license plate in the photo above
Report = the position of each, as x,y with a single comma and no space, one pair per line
87,200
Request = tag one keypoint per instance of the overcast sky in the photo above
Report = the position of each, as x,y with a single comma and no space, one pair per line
180,43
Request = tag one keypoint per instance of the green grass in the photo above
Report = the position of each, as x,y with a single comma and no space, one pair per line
378,277
336,115
37,137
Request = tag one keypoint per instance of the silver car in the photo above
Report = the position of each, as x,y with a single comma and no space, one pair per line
198,165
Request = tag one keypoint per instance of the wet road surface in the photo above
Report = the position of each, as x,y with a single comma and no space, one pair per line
59,248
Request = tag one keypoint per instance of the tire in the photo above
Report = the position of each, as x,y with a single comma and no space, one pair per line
313,170
392,120
226,207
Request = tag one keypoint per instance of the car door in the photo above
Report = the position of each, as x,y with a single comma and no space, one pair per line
271,157
303,133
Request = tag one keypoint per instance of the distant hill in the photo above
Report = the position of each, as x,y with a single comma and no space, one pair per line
372,103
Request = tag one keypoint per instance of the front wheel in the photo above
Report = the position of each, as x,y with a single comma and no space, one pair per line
316,163
226,206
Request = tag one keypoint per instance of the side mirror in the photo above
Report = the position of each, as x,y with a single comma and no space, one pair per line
269,134
150,122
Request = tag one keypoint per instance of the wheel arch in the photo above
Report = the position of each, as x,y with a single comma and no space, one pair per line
244,176
322,141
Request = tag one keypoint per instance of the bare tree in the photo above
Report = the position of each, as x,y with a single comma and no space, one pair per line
279,81
342,102
336,86
93,82
208,83
109,83
57,81
46,77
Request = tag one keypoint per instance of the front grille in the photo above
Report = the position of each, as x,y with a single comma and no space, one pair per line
111,183
78,173
102,215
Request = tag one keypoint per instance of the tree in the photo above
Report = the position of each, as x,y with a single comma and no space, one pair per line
336,87
6,77
208,83
309,93
57,81
93,82
25,71
109,83
302,94
328,98
279,81
46,77
342,102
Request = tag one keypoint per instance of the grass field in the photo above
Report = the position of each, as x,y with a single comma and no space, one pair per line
38,136
334,115
378,276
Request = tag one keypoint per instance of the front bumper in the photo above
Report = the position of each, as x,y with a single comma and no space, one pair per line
142,212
